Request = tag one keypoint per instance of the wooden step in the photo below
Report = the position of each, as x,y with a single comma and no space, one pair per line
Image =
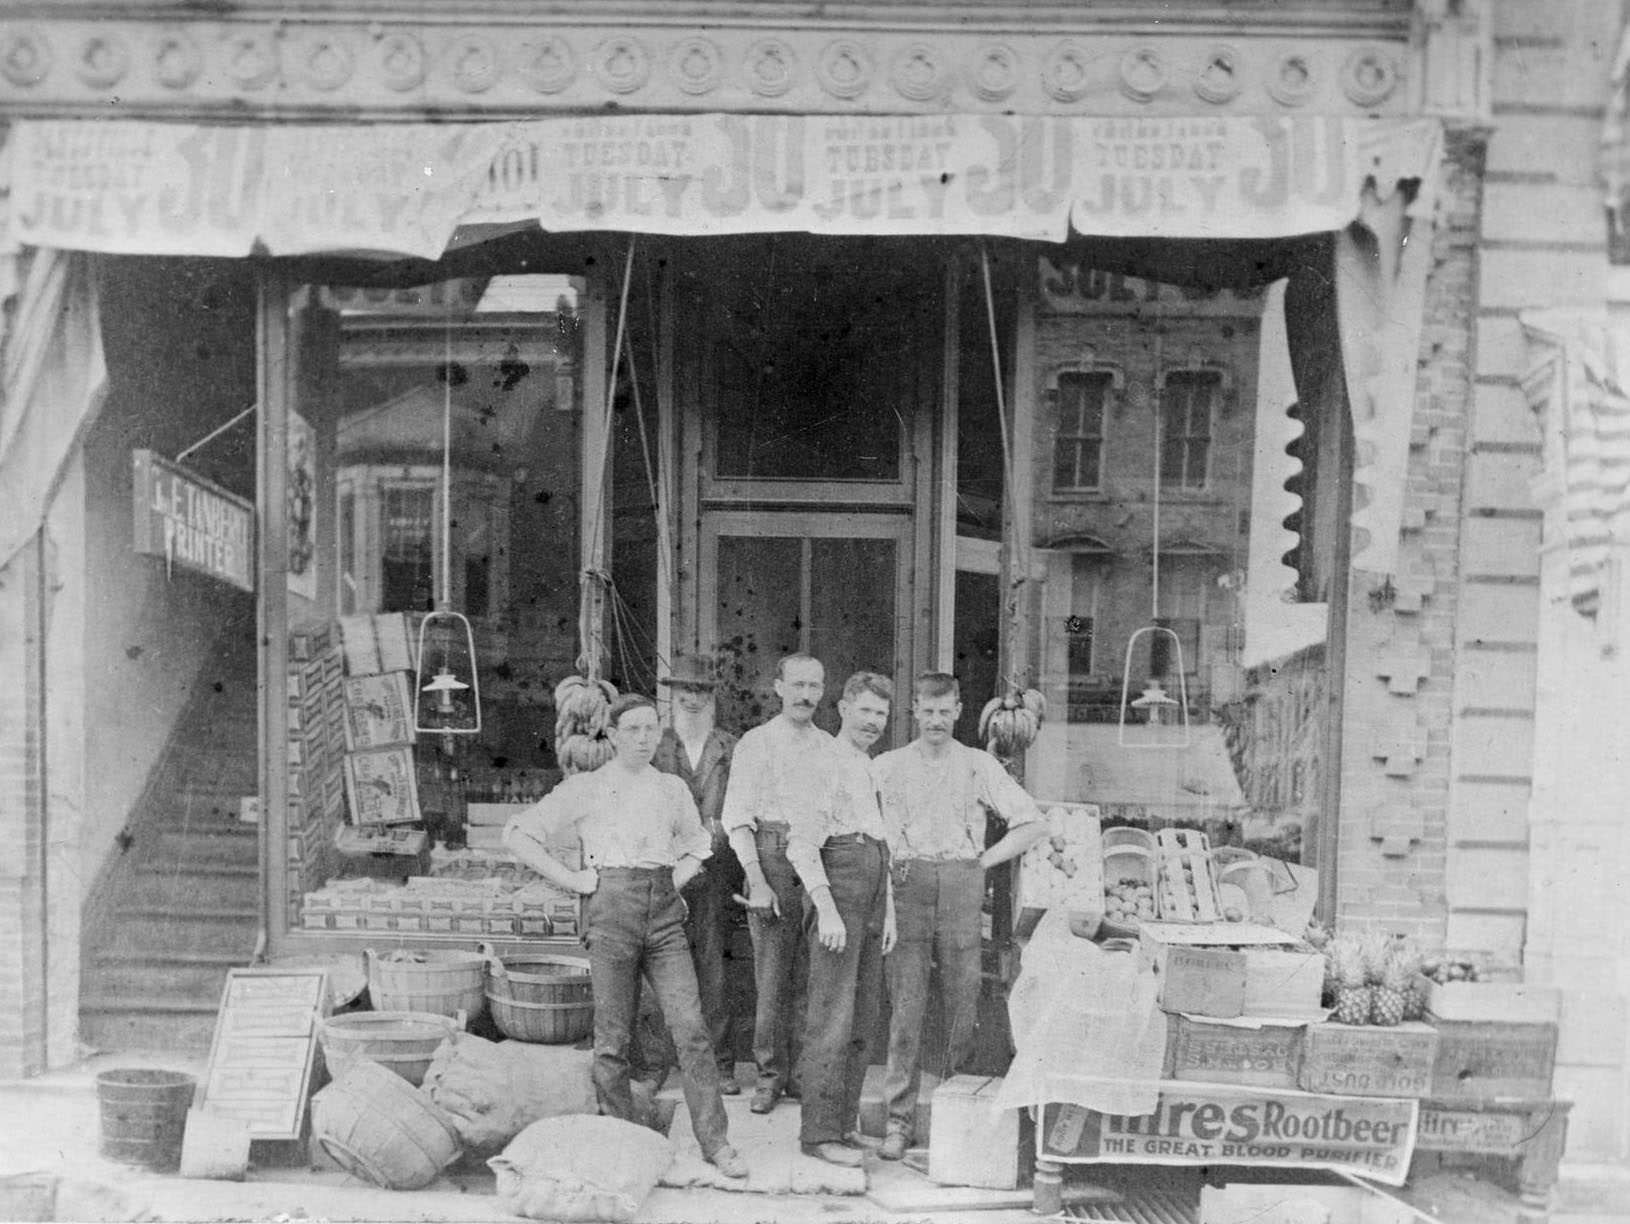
182,980
127,1025
222,844
209,886
137,932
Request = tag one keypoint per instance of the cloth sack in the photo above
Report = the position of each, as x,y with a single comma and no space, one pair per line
580,1168
493,1090
1086,1026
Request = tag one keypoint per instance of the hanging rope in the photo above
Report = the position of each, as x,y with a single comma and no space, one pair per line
443,591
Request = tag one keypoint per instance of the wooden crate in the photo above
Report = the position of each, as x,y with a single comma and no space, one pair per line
1513,1002
1480,1060
1283,982
1267,1056
1369,1060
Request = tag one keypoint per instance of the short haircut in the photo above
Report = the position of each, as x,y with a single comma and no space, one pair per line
937,684
795,657
625,703
876,684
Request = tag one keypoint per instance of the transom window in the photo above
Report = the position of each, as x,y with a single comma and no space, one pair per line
1078,455
1188,403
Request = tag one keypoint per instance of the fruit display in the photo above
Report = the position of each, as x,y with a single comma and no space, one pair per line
1371,978
1129,899
1062,856
582,709
1009,722
1452,969
1188,884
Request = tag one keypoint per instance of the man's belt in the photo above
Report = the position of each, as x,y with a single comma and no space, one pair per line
853,839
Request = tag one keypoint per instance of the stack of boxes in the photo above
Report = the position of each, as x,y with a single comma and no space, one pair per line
316,754
380,782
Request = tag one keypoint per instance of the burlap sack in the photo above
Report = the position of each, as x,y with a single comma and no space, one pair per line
495,1089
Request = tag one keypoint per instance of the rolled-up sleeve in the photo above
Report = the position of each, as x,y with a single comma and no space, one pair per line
550,820
689,835
748,765
1012,805
804,841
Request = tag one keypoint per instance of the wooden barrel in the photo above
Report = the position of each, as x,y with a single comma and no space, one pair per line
444,982
403,1042
144,1114
377,1126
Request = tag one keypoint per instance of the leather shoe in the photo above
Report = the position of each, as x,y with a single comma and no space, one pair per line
856,1140
894,1146
833,1153
792,1091
764,1099
728,1085
729,1162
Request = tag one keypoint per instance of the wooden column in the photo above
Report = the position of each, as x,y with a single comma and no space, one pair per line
594,478
272,599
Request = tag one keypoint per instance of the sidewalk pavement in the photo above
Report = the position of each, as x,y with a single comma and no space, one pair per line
51,1124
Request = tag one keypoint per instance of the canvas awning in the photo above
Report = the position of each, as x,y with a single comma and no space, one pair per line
402,189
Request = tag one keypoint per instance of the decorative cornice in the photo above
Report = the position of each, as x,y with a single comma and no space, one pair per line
307,66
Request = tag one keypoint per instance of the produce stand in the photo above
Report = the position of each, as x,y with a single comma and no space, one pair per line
1260,1070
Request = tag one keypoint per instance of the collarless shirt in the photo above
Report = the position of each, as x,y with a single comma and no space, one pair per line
935,807
780,773
622,818
854,809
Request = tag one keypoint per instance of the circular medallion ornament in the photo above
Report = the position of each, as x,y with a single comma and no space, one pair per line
103,61
326,62
1291,81
1065,75
995,72
771,67
621,64
25,57
251,58
176,60
547,64
697,66
1369,76
845,68
401,62
474,61
1144,71
1219,78
918,73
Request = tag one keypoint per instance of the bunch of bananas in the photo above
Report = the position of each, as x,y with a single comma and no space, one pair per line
1009,722
582,707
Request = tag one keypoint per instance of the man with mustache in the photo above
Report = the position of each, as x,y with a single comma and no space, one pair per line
936,793
843,861
779,776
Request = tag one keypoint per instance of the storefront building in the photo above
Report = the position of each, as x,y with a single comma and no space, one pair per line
981,338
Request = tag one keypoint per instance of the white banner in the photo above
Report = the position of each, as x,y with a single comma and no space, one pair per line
402,189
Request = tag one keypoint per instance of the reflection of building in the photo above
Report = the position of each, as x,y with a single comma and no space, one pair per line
774,419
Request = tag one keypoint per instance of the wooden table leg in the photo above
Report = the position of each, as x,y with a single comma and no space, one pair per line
1537,1164
1048,1188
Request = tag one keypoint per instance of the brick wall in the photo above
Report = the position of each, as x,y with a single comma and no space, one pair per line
1398,714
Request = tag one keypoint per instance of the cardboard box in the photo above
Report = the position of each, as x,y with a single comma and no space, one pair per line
1268,1055
974,1143
1514,1002
1477,1060
1064,870
378,711
1369,1060
1283,1203
381,787
1231,969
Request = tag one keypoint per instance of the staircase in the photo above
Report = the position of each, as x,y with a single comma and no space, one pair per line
183,905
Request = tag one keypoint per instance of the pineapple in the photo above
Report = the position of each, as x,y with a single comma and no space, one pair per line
1374,944
1352,991
1389,999
1408,955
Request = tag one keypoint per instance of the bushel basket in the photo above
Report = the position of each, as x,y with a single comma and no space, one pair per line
539,997
380,1128
446,983
399,1041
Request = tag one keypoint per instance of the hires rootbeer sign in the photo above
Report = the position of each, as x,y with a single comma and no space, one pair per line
192,523
1196,1124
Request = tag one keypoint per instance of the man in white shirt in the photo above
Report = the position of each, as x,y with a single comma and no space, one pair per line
843,861
779,776
642,842
936,793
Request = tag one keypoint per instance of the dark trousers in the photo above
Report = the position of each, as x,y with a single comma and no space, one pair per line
845,991
707,927
936,912
780,965
635,924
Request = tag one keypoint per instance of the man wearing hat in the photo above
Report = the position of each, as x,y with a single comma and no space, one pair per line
699,754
